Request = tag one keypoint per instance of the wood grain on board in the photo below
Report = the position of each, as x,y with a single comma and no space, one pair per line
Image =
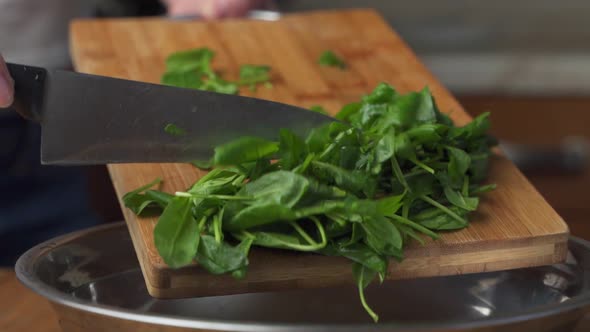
514,226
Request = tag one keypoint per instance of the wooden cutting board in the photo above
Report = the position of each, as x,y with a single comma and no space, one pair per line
514,227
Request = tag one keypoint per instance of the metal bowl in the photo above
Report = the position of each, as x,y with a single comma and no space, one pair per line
94,281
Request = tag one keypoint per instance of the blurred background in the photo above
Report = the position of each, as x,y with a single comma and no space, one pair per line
528,62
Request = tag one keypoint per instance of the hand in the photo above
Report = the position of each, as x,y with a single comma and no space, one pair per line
211,9
6,85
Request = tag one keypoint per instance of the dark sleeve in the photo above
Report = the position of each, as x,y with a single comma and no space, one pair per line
127,8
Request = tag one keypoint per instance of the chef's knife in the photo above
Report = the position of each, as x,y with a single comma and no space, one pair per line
89,119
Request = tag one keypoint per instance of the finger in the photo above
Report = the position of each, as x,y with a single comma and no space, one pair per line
237,8
183,7
6,85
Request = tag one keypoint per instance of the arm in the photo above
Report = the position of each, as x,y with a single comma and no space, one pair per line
6,85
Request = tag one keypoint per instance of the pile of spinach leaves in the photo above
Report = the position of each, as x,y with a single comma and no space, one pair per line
392,170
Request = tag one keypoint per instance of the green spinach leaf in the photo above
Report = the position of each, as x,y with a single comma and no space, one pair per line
457,199
330,59
220,257
246,149
176,234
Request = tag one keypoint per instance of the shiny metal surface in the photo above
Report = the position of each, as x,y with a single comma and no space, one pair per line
97,271
89,119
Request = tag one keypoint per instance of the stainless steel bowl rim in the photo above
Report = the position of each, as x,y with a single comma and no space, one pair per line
25,264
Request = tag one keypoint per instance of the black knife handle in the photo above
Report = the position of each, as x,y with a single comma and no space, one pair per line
29,85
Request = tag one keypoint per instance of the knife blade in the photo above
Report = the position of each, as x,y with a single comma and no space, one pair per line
89,119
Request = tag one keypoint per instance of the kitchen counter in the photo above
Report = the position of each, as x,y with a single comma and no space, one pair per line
21,310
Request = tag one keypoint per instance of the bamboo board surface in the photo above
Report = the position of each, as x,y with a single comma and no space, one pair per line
513,228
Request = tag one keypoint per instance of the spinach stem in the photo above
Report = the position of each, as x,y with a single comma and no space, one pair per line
327,150
202,222
310,210
414,225
320,227
483,189
216,229
465,189
308,238
354,237
285,244
442,208
398,173
303,234
364,302
246,234
224,197
422,165
303,247
300,169
217,219
410,232
337,219
406,209
334,143
238,180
